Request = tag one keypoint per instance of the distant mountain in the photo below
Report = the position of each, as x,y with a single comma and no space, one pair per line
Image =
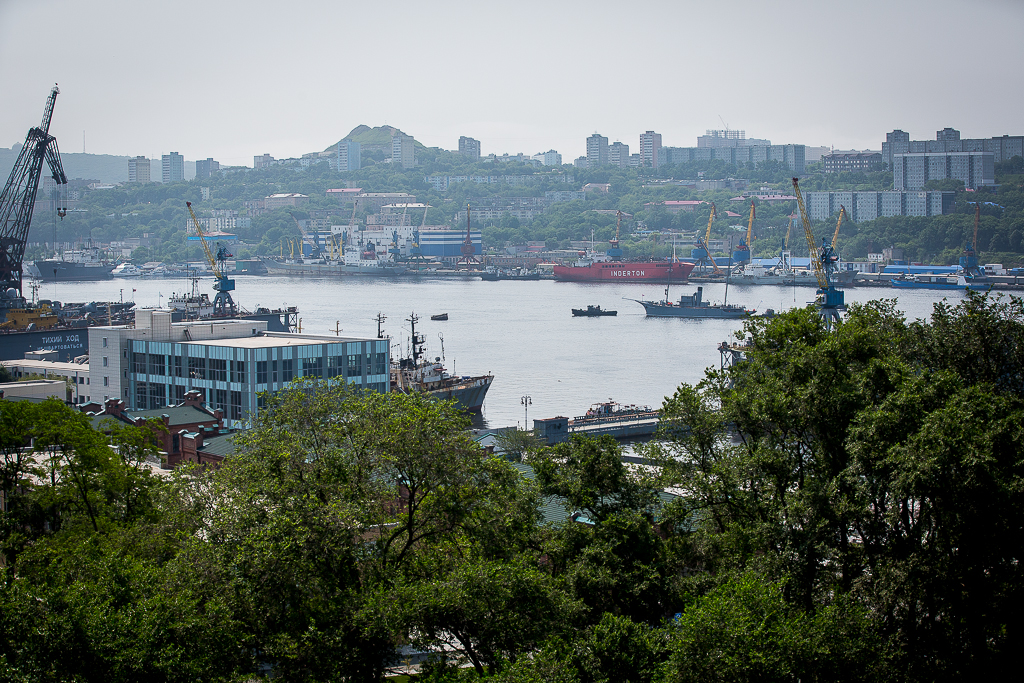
371,139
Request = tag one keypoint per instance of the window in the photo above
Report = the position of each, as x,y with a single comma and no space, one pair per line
313,367
105,364
197,368
218,370
157,395
221,396
273,369
355,366
104,343
238,371
380,363
106,381
335,366
179,393
141,396
287,370
177,366
139,363
236,405
156,364
261,372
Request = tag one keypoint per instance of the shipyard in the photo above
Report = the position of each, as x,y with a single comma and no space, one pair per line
450,342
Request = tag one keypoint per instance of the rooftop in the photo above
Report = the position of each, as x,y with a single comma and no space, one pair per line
272,340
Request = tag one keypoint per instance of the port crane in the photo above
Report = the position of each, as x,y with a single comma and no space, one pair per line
223,304
18,200
830,300
835,237
741,254
702,254
969,261
614,251
468,250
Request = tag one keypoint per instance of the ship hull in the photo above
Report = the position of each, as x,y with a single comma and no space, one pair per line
657,310
909,284
468,393
66,271
315,269
625,272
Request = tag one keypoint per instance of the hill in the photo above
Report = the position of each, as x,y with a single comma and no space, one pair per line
372,139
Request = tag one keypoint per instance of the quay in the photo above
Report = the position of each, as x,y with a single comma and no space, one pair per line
637,425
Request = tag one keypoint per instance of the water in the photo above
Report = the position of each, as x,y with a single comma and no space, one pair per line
523,332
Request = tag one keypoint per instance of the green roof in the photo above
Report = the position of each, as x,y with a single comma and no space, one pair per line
177,415
222,445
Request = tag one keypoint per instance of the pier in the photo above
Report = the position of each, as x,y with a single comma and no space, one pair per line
639,425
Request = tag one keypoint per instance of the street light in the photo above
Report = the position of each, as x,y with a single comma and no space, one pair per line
526,402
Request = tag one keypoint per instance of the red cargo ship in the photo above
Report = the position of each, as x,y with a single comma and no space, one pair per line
610,267
587,270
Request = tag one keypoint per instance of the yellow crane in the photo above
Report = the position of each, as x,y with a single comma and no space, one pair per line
835,237
223,304
703,251
742,253
830,300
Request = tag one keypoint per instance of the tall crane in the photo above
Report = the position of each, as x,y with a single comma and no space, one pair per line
702,254
741,254
18,199
468,250
830,300
835,237
969,261
614,251
223,304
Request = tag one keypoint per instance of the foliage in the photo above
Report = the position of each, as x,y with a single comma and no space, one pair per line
843,505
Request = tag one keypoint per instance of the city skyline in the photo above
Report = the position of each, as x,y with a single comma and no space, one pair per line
279,83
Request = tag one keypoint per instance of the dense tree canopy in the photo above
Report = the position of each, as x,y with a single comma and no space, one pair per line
843,504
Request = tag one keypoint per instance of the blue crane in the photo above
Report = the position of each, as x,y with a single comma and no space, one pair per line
223,304
830,300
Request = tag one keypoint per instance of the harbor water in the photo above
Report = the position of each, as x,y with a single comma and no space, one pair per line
522,332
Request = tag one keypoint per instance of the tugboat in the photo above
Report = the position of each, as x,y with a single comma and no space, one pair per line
692,306
591,312
413,374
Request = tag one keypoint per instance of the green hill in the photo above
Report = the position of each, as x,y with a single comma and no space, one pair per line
371,139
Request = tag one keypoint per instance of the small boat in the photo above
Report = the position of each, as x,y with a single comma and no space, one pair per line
439,316
591,312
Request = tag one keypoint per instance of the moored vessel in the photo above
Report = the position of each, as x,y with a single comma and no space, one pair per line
415,374
591,312
692,306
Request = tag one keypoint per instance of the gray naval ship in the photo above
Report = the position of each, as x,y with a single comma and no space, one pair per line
692,306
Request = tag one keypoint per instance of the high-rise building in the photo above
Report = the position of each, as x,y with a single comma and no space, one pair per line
650,145
948,140
173,167
468,147
206,167
913,170
348,158
403,151
262,161
597,151
618,154
549,158
138,170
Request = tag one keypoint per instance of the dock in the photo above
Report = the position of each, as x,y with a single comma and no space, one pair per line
625,427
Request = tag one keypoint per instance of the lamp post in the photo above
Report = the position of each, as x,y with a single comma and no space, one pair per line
526,402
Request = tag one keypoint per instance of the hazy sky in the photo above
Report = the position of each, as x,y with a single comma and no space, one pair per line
235,79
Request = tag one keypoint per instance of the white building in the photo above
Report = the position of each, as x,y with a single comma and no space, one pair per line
157,362
403,150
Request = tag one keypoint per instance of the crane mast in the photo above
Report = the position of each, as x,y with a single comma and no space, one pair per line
830,300
702,254
223,304
741,254
835,237
18,200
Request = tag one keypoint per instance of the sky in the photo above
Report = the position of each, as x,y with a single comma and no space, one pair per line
230,79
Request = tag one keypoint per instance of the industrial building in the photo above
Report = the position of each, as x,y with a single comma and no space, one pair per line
157,362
